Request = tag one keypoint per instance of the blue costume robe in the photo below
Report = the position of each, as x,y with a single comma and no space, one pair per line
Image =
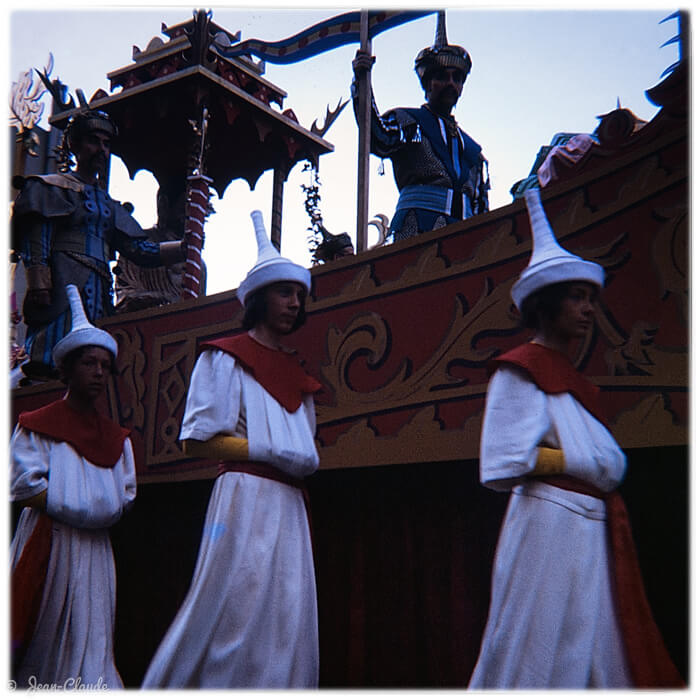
439,169
72,229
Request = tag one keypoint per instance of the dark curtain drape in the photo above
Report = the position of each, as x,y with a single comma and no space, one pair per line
403,573
657,496
403,557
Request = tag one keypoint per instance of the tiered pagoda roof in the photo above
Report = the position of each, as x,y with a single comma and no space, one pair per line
162,94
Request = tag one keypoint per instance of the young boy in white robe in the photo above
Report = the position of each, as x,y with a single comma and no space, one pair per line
568,609
250,618
73,470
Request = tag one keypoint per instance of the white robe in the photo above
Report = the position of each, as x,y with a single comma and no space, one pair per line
72,645
250,616
552,622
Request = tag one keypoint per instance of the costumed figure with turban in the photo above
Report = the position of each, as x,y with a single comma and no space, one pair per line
249,619
568,607
66,229
440,171
72,469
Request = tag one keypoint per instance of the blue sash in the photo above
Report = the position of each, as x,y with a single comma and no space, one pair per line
432,197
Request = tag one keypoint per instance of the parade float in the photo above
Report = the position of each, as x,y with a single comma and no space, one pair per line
400,336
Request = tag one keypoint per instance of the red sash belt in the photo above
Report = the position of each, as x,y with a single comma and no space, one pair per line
647,656
262,469
267,471
27,587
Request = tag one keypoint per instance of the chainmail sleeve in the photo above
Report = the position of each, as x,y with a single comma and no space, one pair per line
390,131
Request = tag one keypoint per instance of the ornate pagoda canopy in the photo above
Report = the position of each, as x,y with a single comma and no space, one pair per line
164,91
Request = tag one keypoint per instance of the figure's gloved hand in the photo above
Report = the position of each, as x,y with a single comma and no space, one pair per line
549,461
362,63
173,252
219,447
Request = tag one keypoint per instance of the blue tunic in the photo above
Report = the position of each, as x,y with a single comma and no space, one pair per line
439,169
72,229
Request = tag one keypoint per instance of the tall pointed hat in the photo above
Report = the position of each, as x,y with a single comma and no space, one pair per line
271,266
82,331
549,262
441,54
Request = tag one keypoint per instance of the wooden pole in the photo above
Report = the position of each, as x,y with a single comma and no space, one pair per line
364,112
277,195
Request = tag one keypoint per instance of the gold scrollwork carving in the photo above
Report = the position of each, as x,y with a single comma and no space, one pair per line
422,439
670,256
367,336
649,423
637,355
131,364
170,379
172,360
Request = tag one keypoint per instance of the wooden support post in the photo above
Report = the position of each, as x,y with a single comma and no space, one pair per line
364,112
277,200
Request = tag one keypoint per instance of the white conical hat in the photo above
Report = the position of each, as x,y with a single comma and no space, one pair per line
549,262
82,331
271,266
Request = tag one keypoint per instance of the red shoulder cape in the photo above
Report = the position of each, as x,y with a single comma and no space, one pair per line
280,373
553,373
95,437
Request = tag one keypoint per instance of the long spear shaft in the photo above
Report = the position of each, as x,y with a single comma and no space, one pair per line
364,109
